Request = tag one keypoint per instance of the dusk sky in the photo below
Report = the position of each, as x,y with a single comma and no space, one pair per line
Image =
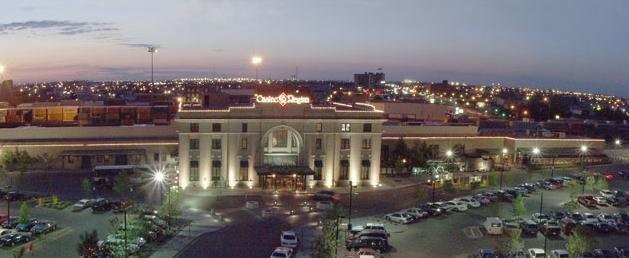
566,44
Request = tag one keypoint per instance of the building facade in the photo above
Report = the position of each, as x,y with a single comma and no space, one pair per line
279,142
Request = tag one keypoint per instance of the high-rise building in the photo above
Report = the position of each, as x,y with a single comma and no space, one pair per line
369,80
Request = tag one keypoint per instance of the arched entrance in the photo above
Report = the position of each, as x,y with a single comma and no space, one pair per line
281,167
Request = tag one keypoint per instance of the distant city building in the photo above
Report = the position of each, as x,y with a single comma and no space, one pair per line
6,91
369,80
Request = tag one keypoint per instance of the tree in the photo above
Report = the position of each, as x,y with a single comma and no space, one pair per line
121,185
86,186
518,206
24,213
580,241
325,246
88,244
171,206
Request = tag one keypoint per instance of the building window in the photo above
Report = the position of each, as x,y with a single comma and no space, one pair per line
366,144
243,143
194,128
318,168
345,127
194,170
318,144
364,169
244,170
156,157
194,144
344,174
216,170
367,128
216,127
216,144
344,144
244,127
319,127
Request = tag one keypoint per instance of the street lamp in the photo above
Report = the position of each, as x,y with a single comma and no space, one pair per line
504,154
152,50
584,150
617,141
256,61
434,179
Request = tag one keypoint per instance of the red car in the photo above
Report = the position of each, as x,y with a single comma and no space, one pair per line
587,201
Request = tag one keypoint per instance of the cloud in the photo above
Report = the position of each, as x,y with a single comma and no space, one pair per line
140,45
57,27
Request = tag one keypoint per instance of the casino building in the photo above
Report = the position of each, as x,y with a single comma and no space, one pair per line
280,141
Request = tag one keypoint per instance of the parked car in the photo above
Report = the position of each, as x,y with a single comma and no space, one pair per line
551,228
608,193
483,200
567,224
487,253
539,218
282,252
536,253
82,204
14,196
11,222
289,239
369,233
101,205
607,218
621,251
399,217
325,196
454,206
324,205
14,239
600,200
375,243
587,201
559,253
432,209
26,227
602,253
120,205
370,226
529,228
493,225
44,226
469,201
604,228
416,212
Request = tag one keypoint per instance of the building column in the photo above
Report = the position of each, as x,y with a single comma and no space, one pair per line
355,146
330,165
374,173
205,143
233,164
184,161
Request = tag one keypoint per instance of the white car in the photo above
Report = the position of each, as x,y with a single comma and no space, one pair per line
589,218
600,200
559,253
454,206
289,239
493,225
536,253
324,205
607,193
399,217
282,252
415,212
82,204
252,205
471,202
5,231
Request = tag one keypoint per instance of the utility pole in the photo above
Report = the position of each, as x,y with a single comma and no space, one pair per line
152,50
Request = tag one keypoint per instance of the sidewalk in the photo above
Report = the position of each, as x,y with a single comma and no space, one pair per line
200,223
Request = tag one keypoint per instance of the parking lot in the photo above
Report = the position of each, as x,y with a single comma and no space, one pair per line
460,234
70,225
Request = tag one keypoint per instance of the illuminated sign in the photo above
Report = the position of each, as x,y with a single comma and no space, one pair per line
282,99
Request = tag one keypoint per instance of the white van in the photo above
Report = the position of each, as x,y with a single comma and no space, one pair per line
493,225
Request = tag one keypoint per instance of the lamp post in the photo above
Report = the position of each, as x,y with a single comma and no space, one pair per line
256,61
504,154
152,50
434,180
449,155
617,142
159,179
584,150
536,151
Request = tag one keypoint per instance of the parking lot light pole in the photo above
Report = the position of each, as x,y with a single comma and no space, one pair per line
434,181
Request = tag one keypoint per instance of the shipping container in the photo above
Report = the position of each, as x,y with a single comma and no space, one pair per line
144,115
97,116
55,115
112,116
127,115
39,115
84,116
70,114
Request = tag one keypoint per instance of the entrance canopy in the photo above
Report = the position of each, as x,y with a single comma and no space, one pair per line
283,170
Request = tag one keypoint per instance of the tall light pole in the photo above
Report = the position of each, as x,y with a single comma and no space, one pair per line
504,154
256,61
449,154
584,150
152,50
535,152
